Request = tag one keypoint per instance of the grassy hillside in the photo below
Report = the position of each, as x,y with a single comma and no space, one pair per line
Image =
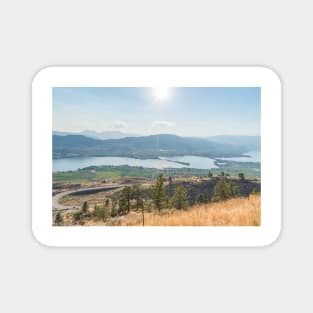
234,212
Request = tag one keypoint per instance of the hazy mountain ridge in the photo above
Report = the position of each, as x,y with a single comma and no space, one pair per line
252,142
150,146
97,135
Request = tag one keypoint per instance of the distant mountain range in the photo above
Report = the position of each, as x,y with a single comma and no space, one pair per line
97,135
152,146
251,142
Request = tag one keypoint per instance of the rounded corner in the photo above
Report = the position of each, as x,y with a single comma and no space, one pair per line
273,239
272,73
41,73
39,240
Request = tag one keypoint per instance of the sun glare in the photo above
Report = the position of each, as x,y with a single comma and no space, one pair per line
161,93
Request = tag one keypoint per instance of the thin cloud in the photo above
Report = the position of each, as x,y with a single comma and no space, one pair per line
161,124
120,125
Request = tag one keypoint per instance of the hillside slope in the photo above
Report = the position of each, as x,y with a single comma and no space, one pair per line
233,212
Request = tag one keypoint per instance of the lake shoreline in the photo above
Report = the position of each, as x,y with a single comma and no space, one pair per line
188,161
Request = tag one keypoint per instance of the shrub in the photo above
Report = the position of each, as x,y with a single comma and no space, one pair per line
77,216
241,176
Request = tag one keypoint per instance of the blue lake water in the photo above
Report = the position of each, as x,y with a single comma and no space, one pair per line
252,156
73,164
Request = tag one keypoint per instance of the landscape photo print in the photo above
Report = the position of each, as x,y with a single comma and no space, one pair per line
156,156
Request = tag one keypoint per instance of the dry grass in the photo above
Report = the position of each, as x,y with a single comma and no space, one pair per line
234,212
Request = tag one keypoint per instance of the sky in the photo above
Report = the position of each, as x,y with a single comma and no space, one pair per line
183,111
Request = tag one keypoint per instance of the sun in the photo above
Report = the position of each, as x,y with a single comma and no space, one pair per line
161,94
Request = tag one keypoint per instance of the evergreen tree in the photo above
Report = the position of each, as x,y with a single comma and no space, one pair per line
158,192
101,212
85,207
224,190
58,218
200,198
210,175
77,216
113,209
170,187
241,176
180,198
170,180
138,196
124,201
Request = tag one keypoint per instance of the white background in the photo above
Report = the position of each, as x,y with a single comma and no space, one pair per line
35,34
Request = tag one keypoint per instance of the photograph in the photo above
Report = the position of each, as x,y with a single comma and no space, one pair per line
156,156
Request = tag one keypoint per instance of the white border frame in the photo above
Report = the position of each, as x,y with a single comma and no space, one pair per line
202,236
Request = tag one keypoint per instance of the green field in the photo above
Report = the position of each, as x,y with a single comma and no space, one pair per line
111,173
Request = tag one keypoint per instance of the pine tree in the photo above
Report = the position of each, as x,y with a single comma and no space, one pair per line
58,218
224,190
158,192
137,195
180,198
85,207
200,198
124,201
170,187
102,212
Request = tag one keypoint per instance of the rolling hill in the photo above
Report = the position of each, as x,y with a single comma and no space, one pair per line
143,147
250,142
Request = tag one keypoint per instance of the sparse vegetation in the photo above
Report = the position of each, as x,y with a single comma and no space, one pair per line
232,212
149,205
225,190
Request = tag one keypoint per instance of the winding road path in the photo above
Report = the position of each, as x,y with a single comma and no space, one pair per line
58,196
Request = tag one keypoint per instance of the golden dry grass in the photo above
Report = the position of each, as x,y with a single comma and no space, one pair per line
234,212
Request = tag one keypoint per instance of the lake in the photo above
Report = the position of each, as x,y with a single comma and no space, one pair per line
252,156
73,164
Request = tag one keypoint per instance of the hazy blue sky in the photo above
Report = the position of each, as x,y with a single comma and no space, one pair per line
199,111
